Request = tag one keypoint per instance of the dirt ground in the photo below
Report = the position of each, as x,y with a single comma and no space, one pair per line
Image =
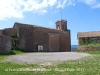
41,57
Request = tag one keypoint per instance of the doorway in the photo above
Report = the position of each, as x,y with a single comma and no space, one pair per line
40,48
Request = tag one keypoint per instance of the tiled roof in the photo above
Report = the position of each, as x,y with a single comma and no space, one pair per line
89,34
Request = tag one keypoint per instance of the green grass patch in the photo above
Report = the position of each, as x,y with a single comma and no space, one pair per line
17,52
13,52
84,66
93,44
93,52
90,52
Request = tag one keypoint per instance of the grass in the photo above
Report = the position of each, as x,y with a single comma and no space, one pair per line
93,52
13,52
93,44
84,66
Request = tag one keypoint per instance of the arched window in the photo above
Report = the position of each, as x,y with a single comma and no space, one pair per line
58,27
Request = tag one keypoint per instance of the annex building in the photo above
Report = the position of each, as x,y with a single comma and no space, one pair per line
92,37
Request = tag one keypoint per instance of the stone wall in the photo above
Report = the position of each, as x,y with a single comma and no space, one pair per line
41,37
65,41
91,40
5,44
54,42
10,32
31,37
80,41
26,38
0,32
88,48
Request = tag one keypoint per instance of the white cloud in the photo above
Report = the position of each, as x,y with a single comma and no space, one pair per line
92,3
9,9
63,3
89,2
96,6
55,11
16,8
41,12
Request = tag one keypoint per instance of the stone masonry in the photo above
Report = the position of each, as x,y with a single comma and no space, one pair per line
5,44
88,48
40,36
30,37
54,42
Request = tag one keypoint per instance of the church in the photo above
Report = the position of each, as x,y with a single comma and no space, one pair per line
33,38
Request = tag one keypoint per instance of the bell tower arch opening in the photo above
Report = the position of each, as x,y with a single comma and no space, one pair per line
61,25
58,27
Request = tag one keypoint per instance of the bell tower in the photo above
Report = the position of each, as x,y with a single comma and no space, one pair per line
61,25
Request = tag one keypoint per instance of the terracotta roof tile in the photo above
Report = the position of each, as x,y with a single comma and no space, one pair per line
89,34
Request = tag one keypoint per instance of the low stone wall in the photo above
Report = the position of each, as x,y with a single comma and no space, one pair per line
5,44
88,48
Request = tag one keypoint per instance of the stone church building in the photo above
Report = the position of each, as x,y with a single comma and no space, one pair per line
32,38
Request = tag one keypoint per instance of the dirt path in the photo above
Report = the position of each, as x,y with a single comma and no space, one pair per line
42,57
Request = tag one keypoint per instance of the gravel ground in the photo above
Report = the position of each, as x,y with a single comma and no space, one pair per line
41,57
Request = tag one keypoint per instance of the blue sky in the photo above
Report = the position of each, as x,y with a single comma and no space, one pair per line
81,15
